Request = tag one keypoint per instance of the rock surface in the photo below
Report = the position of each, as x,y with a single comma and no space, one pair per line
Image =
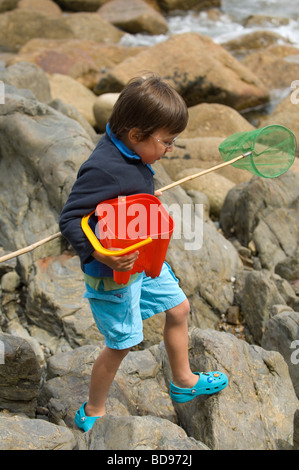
138,433
27,128
20,433
237,261
222,78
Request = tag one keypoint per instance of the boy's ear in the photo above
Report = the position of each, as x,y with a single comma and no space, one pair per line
135,135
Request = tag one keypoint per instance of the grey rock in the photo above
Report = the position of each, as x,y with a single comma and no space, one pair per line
28,76
46,149
138,433
10,281
282,334
247,415
71,112
138,389
265,211
261,291
55,300
20,375
22,433
257,298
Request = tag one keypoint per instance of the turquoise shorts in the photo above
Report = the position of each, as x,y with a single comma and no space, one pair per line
119,313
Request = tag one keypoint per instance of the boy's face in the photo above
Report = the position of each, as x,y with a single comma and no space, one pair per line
154,147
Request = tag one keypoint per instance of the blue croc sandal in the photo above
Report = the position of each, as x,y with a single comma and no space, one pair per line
208,383
82,421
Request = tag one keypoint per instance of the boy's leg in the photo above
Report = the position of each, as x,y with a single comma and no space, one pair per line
103,373
176,344
163,294
117,315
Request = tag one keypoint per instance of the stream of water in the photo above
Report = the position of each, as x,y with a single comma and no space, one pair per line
231,22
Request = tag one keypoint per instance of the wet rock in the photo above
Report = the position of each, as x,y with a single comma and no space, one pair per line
273,66
265,20
80,5
250,42
221,79
170,5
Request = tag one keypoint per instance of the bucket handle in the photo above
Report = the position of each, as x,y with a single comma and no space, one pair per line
99,247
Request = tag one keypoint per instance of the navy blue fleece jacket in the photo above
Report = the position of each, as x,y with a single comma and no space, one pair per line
112,170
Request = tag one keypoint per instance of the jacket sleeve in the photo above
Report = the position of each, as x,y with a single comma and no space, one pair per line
93,185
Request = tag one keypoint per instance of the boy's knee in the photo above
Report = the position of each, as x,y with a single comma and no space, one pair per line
180,312
184,308
123,352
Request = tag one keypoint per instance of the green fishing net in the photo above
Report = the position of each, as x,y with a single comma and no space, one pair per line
272,150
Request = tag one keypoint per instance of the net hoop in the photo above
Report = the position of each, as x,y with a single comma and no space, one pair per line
283,149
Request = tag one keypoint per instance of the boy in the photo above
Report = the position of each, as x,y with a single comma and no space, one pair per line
145,121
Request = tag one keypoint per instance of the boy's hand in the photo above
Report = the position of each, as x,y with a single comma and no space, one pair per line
117,263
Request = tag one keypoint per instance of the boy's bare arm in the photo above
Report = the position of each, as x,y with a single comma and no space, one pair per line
117,263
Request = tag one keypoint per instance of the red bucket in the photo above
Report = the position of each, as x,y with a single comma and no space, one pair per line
125,221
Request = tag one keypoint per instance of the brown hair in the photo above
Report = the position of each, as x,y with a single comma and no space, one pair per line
148,104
